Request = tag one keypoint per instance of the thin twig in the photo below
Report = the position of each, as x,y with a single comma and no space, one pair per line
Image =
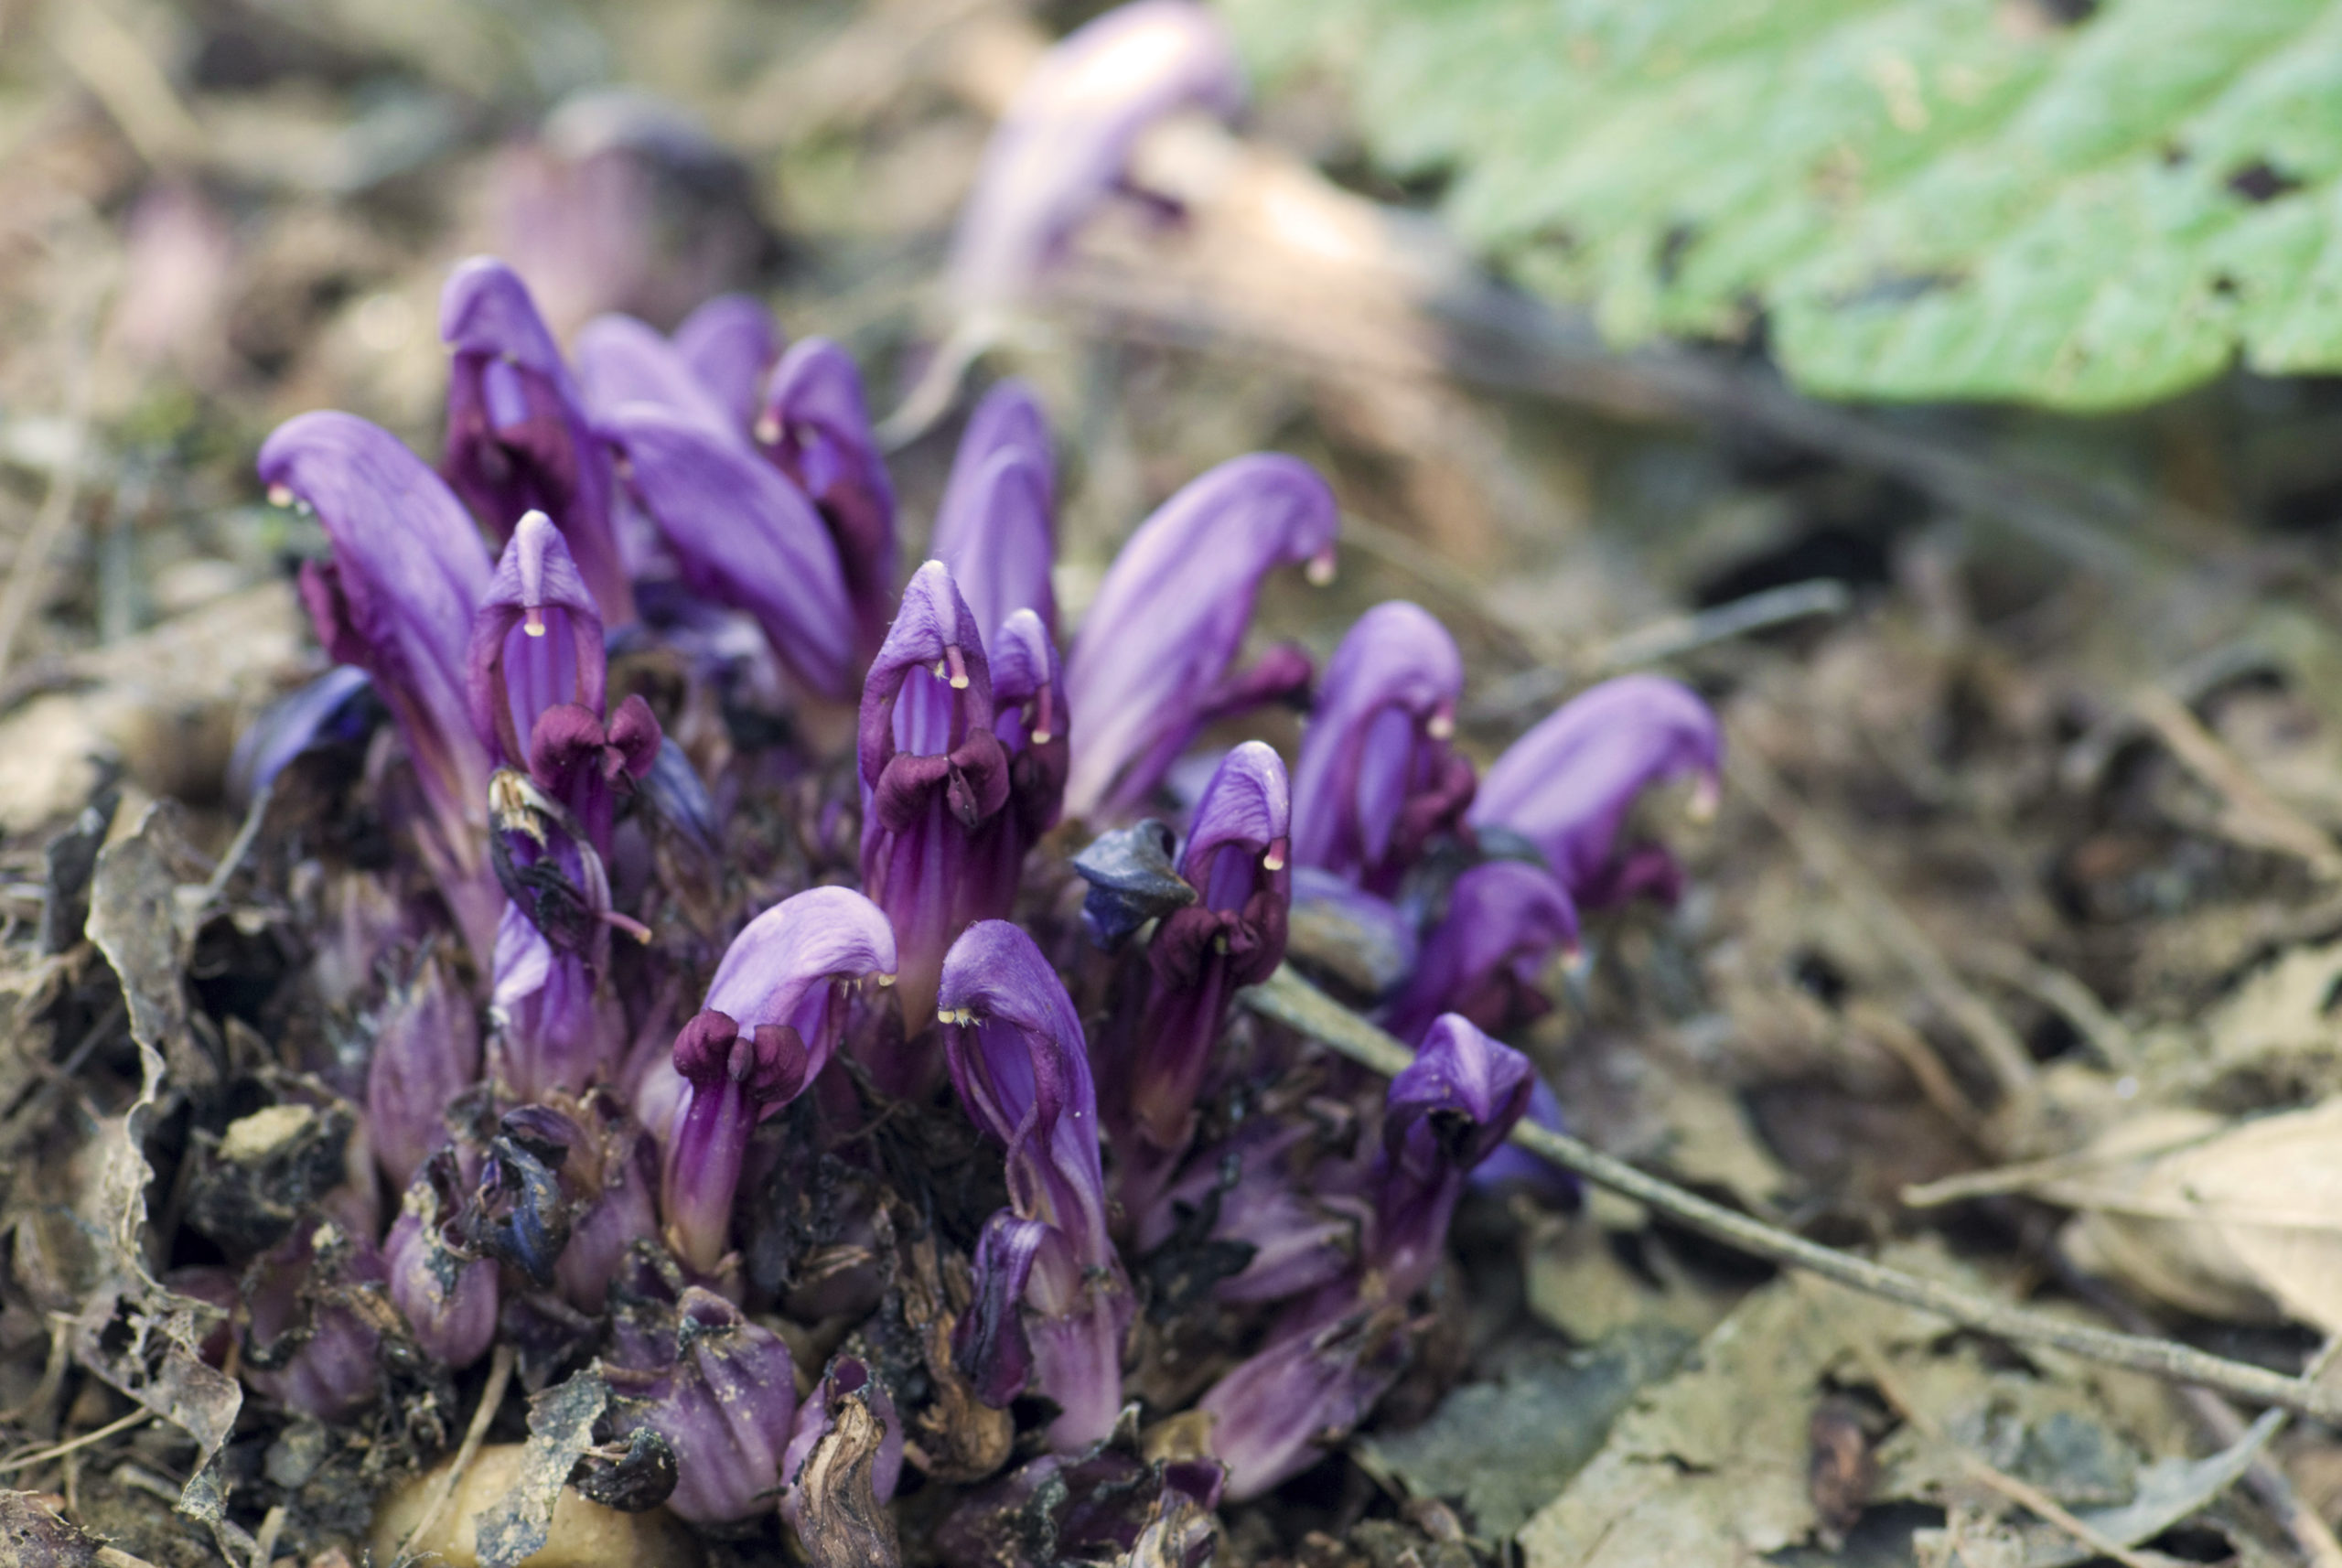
264,1543
499,1376
101,1435
2061,993
2003,1054
2255,817
1291,1000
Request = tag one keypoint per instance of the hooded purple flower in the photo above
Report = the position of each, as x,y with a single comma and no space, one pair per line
1237,860
396,600
1335,1352
1151,666
774,1014
426,1051
1505,919
1052,1302
815,429
996,528
730,343
621,360
445,1289
934,776
517,436
1568,784
1377,779
1061,148
726,1403
741,536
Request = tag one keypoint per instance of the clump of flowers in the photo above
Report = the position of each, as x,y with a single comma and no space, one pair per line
710,1012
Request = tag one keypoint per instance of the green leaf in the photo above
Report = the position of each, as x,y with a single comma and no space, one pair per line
1916,199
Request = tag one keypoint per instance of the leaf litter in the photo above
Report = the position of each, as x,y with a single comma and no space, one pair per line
1967,732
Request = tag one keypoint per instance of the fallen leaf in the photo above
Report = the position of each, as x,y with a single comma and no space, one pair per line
560,1428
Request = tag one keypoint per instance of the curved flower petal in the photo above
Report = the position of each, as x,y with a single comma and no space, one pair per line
1168,621
730,343
743,536
622,360
517,439
536,642
996,527
815,426
1061,148
1568,784
1376,744
1505,919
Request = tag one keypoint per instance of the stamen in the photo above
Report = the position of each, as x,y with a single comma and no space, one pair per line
1274,859
1320,570
532,620
1441,725
958,664
280,495
628,924
767,429
1042,729
1703,806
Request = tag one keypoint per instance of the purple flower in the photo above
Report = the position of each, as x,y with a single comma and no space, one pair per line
517,436
556,1029
621,360
1568,784
426,1051
396,600
934,775
726,1403
1513,1168
1335,1352
306,1344
774,1014
1152,663
996,529
1052,1302
730,343
1061,148
742,536
1505,919
1236,859
1250,1196
445,1290
841,1466
815,429
1377,779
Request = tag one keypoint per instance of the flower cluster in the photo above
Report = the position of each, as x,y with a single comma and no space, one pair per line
683,952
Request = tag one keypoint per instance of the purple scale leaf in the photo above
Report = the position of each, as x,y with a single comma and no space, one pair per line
727,1405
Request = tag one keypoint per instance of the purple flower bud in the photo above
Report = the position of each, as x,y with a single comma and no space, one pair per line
445,1291
306,1347
815,429
774,1014
841,1466
742,535
730,343
1249,1196
1335,1352
536,642
1153,657
934,775
608,1178
996,529
426,1051
1060,149
1568,784
1505,919
1053,1305
517,436
1376,778
396,600
556,1029
329,708
1236,858
726,1404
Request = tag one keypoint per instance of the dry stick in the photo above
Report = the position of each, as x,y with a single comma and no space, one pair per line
2255,817
102,1433
2003,1053
499,1376
1291,1000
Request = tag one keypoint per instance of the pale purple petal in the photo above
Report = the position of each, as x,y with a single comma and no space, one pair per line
1387,697
730,343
